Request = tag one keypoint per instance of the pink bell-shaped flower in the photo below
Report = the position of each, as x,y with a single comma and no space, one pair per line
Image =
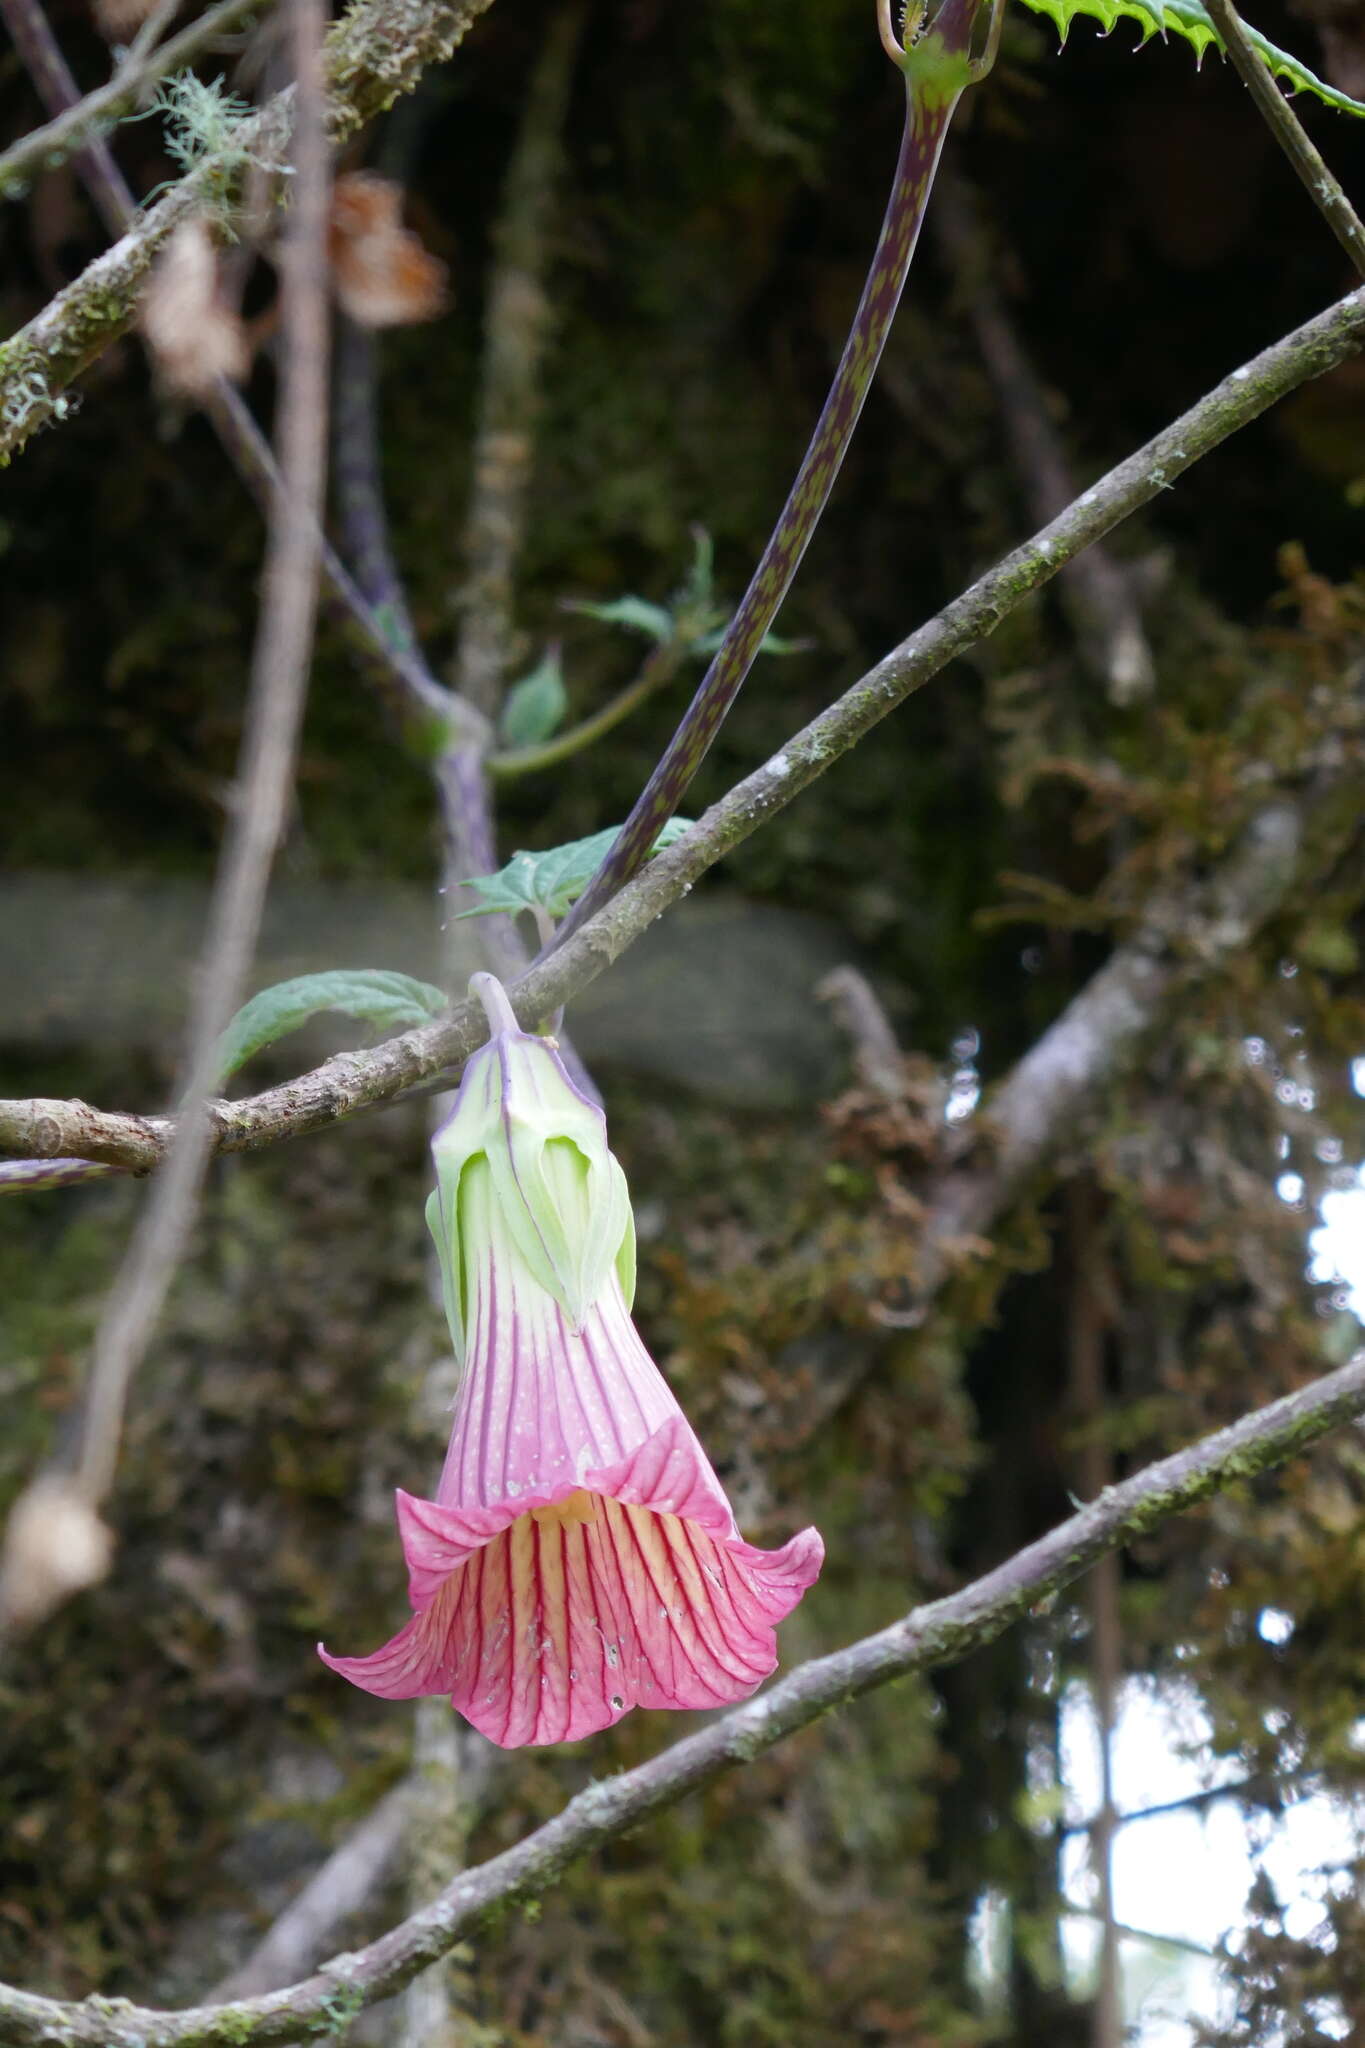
580,1557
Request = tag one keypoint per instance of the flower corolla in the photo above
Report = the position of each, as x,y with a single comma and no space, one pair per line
580,1557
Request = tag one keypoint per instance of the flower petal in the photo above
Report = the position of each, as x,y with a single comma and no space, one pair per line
668,1474
559,1624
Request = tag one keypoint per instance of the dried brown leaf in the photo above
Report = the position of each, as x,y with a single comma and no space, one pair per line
195,336
383,275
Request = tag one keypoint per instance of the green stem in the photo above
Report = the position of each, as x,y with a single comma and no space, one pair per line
933,88
658,668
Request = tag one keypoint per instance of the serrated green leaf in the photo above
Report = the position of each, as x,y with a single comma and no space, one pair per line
555,879
391,1002
535,706
652,620
1188,19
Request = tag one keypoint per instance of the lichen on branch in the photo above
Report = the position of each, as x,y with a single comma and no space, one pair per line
377,51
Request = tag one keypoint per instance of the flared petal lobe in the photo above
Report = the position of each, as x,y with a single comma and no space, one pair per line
580,1557
563,1622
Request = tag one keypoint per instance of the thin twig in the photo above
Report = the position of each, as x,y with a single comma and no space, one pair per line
339,1888
659,667
1094,589
424,712
378,49
355,480
422,709
148,35
1322,187
944,1632
350,1082
89,117
265,778
1124,1932
52,79
1256,1788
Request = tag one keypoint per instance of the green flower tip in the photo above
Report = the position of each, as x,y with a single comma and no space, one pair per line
559,1208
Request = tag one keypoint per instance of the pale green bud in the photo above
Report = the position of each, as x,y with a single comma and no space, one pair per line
560,1209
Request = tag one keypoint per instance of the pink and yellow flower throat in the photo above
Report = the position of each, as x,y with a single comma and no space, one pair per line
581,1556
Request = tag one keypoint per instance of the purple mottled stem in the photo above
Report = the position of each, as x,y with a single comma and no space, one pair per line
19,1175
355,477
926,123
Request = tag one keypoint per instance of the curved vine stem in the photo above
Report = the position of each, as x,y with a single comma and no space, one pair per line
936,72
659,667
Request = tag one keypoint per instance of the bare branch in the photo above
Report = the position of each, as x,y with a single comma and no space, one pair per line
423,711
1185,934
1095,590
47,1130
877,1059
340,1887
1322,188
266,774
351,1082
944,1632
42,58
356,478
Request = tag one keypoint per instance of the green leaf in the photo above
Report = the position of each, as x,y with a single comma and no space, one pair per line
699,589
653,620
1188,19
391,1002
553,880
535,706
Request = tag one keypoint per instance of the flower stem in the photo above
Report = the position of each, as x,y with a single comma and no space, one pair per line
928,110
489,991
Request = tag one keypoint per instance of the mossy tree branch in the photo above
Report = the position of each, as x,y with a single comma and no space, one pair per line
377,51
92,116
943,1632
350,1082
